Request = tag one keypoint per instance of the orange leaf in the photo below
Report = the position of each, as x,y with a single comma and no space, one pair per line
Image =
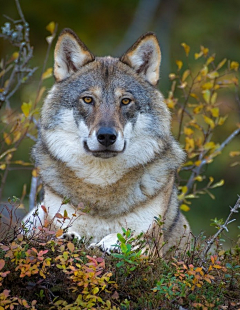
59,232
2,264
70,246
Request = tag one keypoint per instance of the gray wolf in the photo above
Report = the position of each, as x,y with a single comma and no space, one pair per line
105,142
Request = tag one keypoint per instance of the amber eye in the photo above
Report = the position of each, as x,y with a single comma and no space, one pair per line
88,99
126,101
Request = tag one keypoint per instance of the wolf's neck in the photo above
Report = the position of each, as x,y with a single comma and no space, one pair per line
132,189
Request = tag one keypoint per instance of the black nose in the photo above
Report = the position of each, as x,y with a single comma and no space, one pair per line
106,136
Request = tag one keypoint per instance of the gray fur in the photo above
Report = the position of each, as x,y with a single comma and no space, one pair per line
138,172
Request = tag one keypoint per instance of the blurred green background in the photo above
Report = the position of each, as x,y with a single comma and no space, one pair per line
109,27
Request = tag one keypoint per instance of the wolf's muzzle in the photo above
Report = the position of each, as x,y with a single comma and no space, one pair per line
106,136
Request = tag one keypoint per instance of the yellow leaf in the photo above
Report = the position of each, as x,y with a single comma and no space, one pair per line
209,145
189,144
184,189
198,178
184,207
234,153
217,266
7,138
209,121
17,136
26,107
179,64
2,166
211,179
206,95
222,120
171,103
208,85
185,75
205,50
234,65
215,112
198,109
221,64
218,184
213,75
47,74
204,71
198,163
188,131
210,59
194,96
35,172
186,48
222,252
51,27
15,55
214,98
198,55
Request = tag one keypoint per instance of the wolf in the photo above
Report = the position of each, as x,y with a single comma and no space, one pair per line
105,143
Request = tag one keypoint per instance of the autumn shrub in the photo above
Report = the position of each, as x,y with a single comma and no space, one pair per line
39,270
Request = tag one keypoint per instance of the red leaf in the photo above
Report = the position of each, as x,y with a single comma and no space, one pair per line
44,208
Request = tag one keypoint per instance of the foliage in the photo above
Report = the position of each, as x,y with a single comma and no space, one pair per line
193,98
46,272
42,271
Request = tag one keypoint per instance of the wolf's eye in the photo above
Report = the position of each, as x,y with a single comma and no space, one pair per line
126,101
87,99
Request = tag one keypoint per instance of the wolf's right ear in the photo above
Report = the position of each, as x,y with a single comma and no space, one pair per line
70,55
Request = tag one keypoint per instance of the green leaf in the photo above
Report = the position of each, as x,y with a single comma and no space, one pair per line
120,238
123,248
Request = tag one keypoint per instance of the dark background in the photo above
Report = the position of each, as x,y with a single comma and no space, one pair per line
109,27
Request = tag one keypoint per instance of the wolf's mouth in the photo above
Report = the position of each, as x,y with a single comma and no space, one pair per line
106,153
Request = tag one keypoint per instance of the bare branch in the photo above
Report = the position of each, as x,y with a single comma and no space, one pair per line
233,210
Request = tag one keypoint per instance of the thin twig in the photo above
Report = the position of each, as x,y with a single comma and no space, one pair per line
233,210
20,11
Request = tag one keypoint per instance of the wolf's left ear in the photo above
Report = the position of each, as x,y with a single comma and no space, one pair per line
70,55
144,57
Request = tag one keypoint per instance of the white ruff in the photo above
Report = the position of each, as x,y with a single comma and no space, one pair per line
89,226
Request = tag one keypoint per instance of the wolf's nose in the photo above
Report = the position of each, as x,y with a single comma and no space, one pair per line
106,136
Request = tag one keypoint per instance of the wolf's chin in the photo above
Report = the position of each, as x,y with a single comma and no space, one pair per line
103,153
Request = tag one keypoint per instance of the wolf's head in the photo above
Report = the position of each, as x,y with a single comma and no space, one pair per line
105,109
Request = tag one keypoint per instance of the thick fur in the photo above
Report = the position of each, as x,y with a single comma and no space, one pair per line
129,182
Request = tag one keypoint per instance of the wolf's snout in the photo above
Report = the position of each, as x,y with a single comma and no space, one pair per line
106,136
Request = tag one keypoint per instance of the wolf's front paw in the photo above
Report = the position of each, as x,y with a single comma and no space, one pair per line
107,244
69,236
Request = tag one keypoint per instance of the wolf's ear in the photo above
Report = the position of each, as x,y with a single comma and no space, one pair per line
70,55
144,57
